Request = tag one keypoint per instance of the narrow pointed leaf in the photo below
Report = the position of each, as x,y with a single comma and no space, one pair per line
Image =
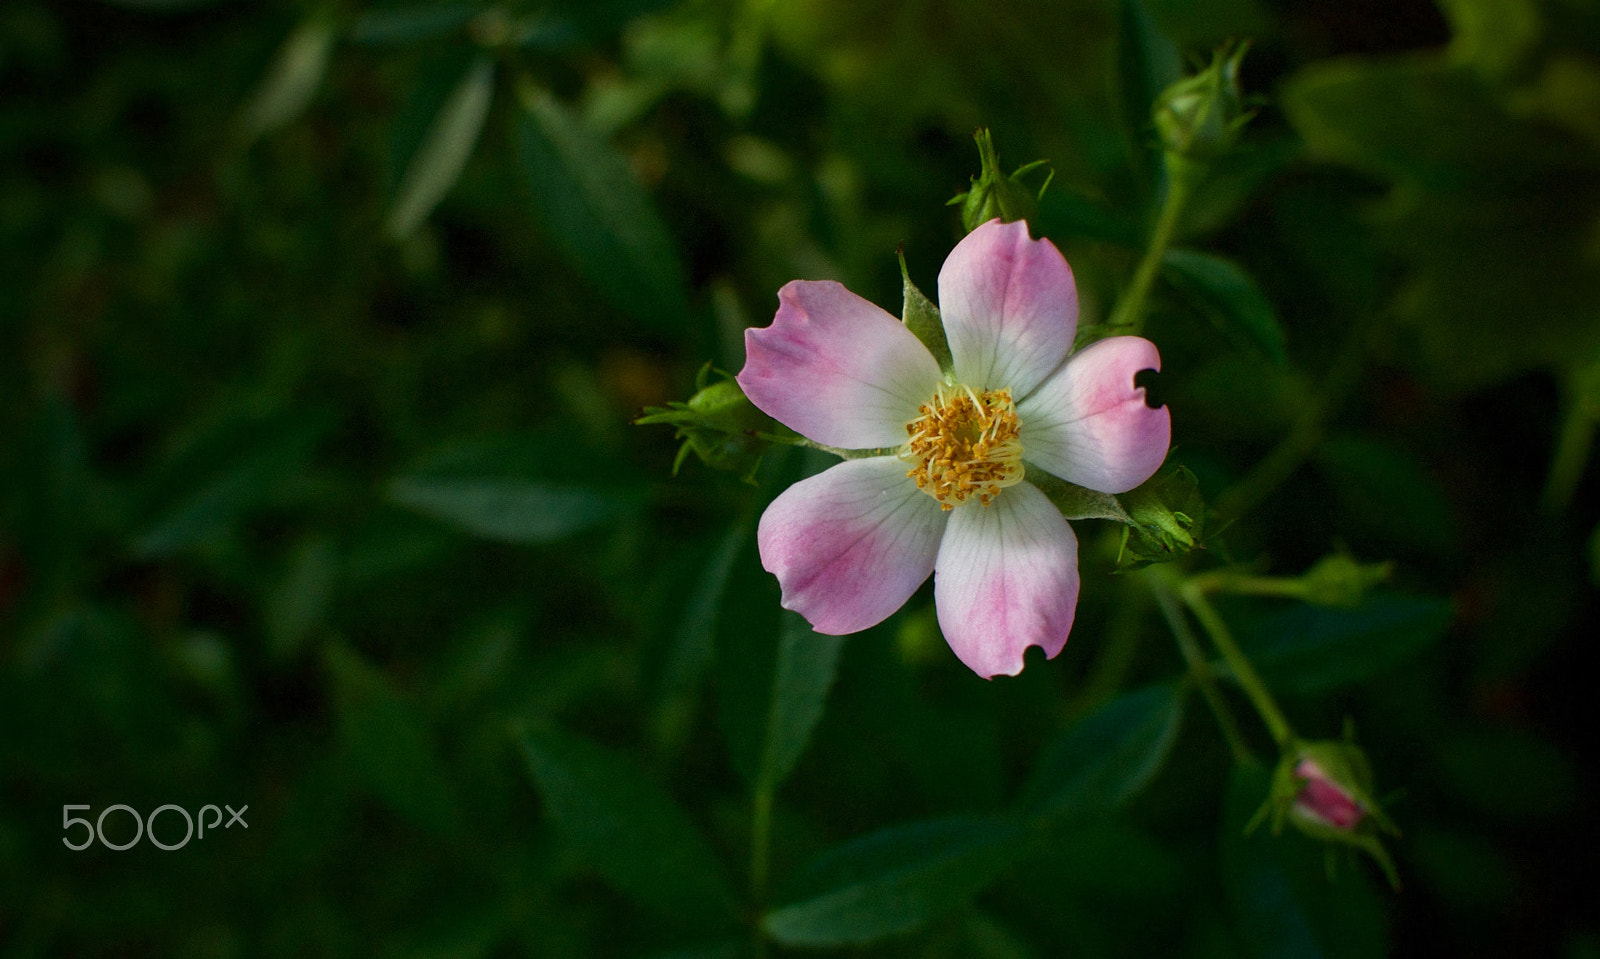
512,510
1106,757
1224,293
444,151
588,203
292,79
894,881
389,744
626,827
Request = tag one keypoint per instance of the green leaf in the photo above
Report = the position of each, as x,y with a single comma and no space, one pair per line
588,203
444,151
389,744
894,881
512,510
252,477
1388,493
401,25
1228,296
1106,757
692,644
1077,502
1311,649
773,674
622,824
1147,63
1280,892
293,78
298,604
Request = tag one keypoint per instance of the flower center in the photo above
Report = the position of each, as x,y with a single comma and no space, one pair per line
964,444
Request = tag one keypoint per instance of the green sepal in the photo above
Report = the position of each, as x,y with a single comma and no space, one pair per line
1077,502
1199,117
1339,580
719,424
993,194
922,318
1166,520
1345,765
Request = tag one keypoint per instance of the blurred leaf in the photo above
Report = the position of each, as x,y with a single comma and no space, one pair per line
293,78
1415,119
1511,773
1282,898
444,152
511,510
693,642
1066,216
400,25
299,603
1388,493
770,717
625,826
893,881
389,744
589,204
1306,649
1493,37
1147,63
1477,185
1106,757
267,460
1227,295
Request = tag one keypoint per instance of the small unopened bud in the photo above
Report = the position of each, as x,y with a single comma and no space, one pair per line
1199,117
718,424
1339,580
1324,801
1324,789
995,195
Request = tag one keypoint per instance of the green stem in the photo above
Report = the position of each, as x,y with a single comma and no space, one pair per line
1570,457
760,849
1249,680
1241,584
1199,667
1129,313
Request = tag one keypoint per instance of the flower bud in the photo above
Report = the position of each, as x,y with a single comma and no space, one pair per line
1324,789
1339,580
995,195
1199,117
719,424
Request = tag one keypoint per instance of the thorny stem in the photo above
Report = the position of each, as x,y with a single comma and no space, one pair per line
1199,667
1129,313
1249,680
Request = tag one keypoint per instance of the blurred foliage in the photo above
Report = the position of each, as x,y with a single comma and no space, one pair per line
324,325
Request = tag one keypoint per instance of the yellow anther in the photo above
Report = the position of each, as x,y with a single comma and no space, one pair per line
964,444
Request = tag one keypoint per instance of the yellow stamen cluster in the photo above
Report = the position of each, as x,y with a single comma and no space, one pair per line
963,445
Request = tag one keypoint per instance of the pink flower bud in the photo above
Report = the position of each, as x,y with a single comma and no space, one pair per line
1323,800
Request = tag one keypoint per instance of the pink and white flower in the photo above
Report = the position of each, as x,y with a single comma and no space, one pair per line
948,493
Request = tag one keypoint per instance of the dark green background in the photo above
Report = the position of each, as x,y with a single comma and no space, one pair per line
354,530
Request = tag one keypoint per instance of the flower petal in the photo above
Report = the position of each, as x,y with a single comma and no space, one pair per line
836,368
1089,424
850,545
1010,308
1006,579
